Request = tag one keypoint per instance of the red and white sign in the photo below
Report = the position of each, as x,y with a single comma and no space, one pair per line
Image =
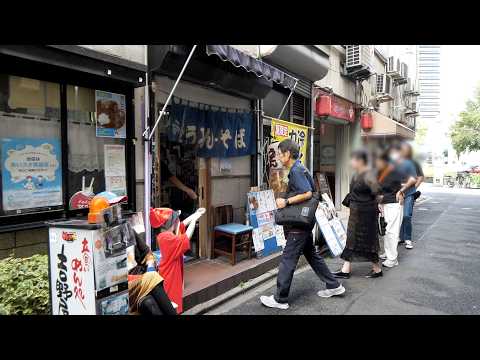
335,107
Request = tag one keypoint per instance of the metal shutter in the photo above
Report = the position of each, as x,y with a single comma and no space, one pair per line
304,88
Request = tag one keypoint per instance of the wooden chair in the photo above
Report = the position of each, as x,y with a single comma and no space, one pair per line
237,235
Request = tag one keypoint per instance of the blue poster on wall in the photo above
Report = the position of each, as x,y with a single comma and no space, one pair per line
215,133
31,173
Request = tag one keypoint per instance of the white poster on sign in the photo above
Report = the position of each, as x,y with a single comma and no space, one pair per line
115,171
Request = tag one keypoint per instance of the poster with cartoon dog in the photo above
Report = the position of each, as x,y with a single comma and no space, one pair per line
111,114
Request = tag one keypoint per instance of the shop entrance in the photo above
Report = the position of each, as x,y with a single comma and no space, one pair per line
177,181
325,153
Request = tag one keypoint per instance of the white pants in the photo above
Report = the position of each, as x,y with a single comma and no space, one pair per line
393,214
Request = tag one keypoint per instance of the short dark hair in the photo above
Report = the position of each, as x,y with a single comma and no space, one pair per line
385,156
290,145
360,155
409,147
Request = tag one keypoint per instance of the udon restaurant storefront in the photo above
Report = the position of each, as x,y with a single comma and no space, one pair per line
54,154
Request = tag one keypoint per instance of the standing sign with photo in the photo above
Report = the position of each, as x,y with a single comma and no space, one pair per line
267,236
111,115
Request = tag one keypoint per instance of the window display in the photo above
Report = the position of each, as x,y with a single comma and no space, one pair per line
99,161
30,148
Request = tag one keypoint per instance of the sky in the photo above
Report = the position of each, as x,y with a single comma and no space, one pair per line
460,74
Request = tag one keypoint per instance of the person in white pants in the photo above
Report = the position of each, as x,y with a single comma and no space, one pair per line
393,214
391,207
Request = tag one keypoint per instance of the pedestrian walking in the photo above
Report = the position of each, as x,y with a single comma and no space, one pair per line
299,240
362,230
391,206
402,156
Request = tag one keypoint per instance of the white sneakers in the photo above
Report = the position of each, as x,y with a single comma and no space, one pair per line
390,263
331,292
269,301
383,256
408,244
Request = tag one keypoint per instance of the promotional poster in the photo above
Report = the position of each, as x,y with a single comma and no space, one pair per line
111,115
282,130
31,173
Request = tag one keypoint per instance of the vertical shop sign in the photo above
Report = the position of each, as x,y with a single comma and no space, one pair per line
73,292
282,130
111,114
115,172
31,173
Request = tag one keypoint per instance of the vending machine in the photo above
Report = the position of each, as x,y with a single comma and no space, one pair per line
88,267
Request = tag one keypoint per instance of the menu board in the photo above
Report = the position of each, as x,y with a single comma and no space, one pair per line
322,184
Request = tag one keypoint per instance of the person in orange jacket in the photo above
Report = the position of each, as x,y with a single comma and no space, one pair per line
173,241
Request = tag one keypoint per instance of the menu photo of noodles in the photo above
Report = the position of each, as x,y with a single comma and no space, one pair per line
111,114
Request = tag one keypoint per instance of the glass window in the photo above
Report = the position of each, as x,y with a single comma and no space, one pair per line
96,154
30,148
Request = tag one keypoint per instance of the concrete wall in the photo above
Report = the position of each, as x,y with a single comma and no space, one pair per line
24,243
341,85
135,53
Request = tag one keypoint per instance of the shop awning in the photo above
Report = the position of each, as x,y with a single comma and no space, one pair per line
384,126
240,59
303,60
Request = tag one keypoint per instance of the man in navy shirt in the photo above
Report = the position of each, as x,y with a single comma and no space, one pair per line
300,189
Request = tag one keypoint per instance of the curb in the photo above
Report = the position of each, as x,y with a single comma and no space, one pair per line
207,306
236,291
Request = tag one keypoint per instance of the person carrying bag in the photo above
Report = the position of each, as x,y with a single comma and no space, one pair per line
296,211
299,215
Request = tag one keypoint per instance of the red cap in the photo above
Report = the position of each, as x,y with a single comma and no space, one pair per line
162,217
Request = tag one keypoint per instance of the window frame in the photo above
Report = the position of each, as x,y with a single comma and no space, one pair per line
45,72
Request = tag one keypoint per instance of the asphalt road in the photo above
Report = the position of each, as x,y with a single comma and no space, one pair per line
439,276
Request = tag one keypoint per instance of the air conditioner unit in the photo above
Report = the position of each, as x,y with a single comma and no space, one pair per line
383,88
393,67
411,88
404,70
358,60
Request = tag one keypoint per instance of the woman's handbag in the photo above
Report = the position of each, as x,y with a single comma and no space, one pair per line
299,215
382,225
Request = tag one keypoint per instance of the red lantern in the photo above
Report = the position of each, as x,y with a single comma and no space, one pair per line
366,121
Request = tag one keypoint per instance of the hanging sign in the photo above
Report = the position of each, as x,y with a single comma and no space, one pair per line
31,173
282,130
111,115
214,133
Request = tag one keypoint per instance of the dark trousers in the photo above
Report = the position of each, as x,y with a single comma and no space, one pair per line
298,243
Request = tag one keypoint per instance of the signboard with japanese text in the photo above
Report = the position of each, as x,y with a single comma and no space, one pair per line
282,130
72,272
31,173
214,133
111,114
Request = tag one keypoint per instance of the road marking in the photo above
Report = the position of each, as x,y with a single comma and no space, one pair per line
466,208
423,209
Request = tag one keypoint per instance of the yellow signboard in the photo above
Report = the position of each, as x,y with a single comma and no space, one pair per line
282,130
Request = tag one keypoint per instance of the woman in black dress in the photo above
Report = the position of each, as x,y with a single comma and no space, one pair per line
362,236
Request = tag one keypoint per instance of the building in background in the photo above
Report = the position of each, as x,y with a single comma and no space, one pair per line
433,144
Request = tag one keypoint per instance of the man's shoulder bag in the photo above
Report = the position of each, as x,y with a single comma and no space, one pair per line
299,215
